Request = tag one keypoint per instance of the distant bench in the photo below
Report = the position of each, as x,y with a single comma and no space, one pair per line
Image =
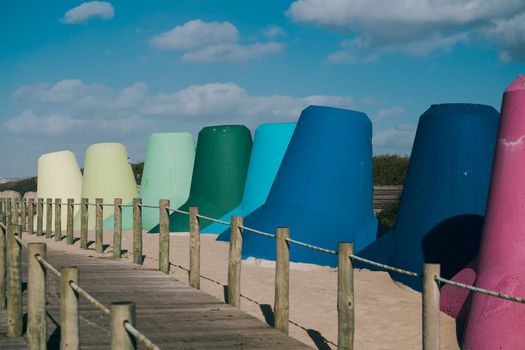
386,196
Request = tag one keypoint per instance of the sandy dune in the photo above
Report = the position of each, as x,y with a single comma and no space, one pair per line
388,316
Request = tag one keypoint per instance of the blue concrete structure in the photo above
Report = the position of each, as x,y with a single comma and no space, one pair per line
323,189
269,145
443,202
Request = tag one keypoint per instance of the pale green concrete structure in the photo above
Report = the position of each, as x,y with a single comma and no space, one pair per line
167,173
59,176
107,175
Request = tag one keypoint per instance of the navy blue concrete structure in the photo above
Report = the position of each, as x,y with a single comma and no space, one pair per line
441,210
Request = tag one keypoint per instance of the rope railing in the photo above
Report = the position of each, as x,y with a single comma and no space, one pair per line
178,211
140,337
15,298
384,266
89,298
213,220
252,230
480,290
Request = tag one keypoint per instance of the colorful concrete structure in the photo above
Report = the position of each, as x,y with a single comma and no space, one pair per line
107,175
269,145
219,174
59,176
495,323
441,208
323,189
167,173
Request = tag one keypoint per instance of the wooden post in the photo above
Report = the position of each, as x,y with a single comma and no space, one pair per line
49,217
122,312
3,266
70,236
84,212
99,233
14,207
345,297
137,231
282,269
30,215
69,338
8,211
23,215
431,311
14,282
117,228
195,249
58,219
36,297
164,236
234,262
40,217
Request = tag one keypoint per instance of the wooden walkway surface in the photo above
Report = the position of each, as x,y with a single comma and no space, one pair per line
170,313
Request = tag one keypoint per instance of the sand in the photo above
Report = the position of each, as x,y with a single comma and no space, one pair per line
388,315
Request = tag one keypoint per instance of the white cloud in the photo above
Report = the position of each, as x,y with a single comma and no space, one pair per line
416,28
203,42
388,113
398,139
196,34
92,9
74,107
231,53
273,32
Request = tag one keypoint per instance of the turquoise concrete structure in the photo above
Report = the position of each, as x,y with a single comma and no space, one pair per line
269,145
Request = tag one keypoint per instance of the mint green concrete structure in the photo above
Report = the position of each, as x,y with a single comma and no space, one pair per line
167,174
59,176
107,175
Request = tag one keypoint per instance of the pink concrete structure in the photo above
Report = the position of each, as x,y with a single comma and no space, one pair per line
494,323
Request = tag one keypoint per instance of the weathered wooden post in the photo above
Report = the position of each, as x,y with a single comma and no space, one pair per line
84,212
195,249
282,280
40,217
234,262
70,235
30,215
345,297
8,211
36,297
164,236
137,231
2,262
15,216
58,219
14,282
69,337
122,312
23,215
99,233
49,217
431,311
117,228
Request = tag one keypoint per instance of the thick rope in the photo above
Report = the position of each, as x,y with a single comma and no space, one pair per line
178,211
48,266
383,266
140,337
149,206
89,298
19,240
212,219
252,230
480,290
306,245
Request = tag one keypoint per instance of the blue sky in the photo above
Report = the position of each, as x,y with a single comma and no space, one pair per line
74,73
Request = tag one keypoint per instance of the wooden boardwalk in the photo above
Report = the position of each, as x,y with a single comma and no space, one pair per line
170,313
